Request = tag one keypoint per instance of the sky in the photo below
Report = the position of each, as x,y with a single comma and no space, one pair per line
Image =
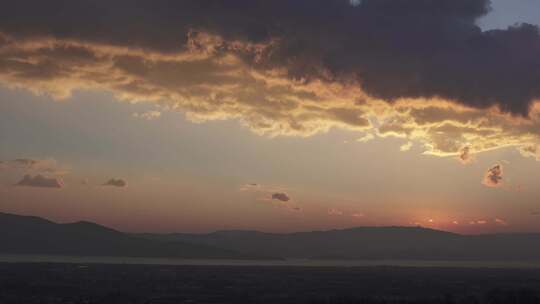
196,116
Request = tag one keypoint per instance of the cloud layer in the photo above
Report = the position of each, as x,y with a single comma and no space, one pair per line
420,70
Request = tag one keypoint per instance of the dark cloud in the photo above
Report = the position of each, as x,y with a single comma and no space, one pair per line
40,181
393,48
271,66
493,176
281,197
114,182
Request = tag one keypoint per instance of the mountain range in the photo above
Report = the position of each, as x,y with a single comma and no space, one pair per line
381,243
34,235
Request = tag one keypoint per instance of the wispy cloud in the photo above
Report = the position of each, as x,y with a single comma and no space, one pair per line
335,212
531,151
366,138
500,222
36,165
406,147
358,215
149,115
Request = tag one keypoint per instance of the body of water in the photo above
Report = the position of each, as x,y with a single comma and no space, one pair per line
288,262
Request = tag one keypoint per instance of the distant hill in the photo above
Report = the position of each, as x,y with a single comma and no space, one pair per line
409,243
34,235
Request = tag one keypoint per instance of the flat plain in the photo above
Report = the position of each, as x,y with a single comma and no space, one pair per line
105,283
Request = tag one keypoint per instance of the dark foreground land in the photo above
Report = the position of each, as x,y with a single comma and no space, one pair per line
118,284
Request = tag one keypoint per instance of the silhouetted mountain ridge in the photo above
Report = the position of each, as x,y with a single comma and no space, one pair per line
34,235
390,242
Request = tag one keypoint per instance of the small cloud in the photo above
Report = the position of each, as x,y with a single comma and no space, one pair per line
355,2
335,212
276,196
495,221
494,176
357,215
406,147
455,222
40,181
535,213
113,182
283,197
149,115
465,155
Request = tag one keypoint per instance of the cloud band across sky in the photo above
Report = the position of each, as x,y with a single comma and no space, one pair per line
418,70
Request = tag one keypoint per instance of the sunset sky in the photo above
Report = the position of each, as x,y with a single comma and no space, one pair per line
203,115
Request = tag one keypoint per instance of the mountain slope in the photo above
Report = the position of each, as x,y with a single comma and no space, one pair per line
33,235
373,243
